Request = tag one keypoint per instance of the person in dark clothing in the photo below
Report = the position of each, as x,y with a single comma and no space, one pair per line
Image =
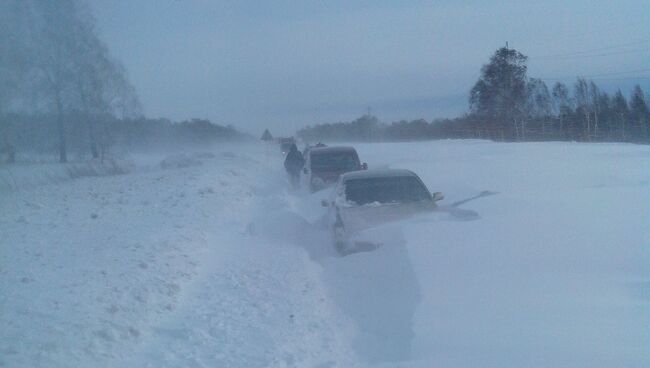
293,164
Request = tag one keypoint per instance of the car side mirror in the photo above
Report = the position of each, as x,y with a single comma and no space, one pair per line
364,166
324,203
437,196
305,170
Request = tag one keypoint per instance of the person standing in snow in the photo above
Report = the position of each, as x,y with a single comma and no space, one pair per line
293,164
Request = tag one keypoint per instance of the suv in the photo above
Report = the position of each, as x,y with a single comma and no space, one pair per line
324,165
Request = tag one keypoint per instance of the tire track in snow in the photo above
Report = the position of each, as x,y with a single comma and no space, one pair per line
376,292
258,299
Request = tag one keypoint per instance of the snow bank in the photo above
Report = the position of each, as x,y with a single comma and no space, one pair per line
549,270
29,175
537,257
36,172
179,161
157,268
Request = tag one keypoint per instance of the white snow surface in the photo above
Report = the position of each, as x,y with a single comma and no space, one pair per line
537,257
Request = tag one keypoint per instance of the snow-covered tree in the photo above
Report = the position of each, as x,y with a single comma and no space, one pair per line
539,102
100,85
561,104
639,112
13,56
621,112
64,67
500,94
584,104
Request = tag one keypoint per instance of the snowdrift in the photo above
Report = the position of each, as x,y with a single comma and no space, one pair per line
538,257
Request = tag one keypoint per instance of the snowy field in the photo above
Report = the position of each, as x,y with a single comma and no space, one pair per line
206,259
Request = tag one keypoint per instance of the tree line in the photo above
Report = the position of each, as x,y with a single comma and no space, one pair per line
37,133
506,105
61,90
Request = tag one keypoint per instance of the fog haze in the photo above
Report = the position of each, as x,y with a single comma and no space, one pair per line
284,65
148,218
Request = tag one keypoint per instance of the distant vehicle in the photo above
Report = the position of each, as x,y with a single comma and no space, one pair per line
285,144
324,165
363,199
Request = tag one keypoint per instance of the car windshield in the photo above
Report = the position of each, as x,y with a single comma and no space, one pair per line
396,189
334,161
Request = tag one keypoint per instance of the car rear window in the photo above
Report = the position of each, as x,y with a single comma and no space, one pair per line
395,189
335,161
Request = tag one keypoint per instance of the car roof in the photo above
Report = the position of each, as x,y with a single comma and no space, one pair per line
377,173
336,149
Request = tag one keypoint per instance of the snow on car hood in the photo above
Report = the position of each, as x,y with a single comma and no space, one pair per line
357,218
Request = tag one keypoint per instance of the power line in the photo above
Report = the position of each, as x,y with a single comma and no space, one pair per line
595,55
622,79
615,73
602,29
599,76
610,50
625,72
589,51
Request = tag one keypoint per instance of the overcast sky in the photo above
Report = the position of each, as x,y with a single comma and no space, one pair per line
284,64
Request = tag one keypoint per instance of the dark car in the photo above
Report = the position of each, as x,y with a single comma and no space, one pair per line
324,165
285,144
309,147
361,200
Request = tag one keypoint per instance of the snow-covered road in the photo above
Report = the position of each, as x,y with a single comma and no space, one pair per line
208,260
